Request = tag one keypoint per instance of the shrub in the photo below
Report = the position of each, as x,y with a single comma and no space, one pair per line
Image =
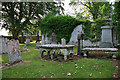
62,26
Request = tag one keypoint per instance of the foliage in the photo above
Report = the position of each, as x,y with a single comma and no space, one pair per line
62,26
33,67
100,12
116,18
18,16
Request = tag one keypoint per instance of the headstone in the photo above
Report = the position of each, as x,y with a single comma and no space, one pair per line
24,48
43,40
76,31
63,41
37,44
3,45
14,51
106,38
47,41
0,45
27,40
53,40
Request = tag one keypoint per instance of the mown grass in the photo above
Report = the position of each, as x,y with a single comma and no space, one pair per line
87,68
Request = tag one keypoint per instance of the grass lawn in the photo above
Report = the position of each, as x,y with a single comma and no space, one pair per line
87,68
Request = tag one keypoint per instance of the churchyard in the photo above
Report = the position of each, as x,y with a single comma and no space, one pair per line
33,67
43,42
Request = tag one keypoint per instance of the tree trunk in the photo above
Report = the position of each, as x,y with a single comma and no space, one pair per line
15,35
22,38
37,36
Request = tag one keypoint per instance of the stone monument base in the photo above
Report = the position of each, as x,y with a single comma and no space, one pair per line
106,45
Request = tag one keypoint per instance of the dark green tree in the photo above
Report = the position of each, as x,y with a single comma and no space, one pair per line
116,18
18,16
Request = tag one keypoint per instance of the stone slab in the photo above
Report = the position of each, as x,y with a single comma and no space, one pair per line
100,49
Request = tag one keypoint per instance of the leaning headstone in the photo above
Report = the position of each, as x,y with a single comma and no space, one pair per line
53,38
63,41
106,38
14,51
24,48
27,40
76,31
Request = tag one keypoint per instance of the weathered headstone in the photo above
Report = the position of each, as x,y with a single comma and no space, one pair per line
0,45
24,48
76,31
43,40
14,51
27,40
47,41
63,41
106,38
53,40
37,44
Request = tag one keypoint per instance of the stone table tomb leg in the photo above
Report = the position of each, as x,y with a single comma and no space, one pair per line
53,53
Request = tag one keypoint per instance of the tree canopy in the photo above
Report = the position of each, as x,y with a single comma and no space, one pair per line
18,16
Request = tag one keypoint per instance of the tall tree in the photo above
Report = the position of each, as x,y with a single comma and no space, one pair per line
116,18
97,9
18,16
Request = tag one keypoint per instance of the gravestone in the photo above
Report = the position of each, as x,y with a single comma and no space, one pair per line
76,31
47,40
37,44
43,40
3,45
14,51
27,40
53,38
106,38
63,41
24,48
0,45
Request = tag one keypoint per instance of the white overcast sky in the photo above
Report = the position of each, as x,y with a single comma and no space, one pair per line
68,10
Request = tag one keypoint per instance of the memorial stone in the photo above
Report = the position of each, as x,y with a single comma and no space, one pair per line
63,41
43,40
14,51
27,40
0,45
24,48
53,41
106,38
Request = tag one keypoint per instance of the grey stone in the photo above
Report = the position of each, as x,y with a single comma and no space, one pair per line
76,31
106,45
63,41
43,40
0,45
14,51
53,38
37,44
24,48
27,42
106,38
3,45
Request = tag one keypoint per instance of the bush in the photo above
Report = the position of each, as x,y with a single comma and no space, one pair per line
62,26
